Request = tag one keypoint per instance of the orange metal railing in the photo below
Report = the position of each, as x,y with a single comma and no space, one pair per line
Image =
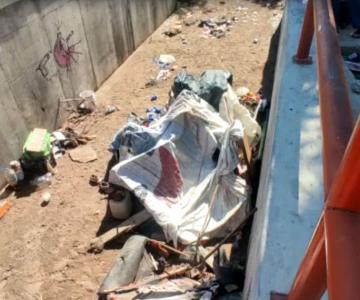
332,260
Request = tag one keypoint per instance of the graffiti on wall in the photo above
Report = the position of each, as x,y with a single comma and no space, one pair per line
63,52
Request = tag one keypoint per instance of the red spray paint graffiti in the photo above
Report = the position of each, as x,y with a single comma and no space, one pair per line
64,54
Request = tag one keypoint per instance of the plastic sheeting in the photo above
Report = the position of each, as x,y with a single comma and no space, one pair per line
184,170
211,85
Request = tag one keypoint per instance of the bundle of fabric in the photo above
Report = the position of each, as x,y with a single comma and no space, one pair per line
183,166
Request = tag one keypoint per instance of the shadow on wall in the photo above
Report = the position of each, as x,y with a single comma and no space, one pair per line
192,2
267,84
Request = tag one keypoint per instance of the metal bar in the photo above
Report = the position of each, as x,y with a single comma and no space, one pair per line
345,192
335,110
307,33
310,280
337,125
342,253
342,227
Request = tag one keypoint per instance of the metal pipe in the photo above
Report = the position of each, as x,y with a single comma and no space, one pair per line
335,110
337,125
307,33
310,280
342,253
342,225
345,192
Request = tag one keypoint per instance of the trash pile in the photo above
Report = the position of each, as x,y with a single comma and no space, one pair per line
254,102
35,169
183,180
217,27
165,64
36,165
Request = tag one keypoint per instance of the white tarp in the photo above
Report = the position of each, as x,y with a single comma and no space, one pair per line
182,169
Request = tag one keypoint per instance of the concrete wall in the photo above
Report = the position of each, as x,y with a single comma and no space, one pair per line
53,49
290,196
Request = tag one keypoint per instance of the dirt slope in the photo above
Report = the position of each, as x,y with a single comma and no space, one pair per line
42,253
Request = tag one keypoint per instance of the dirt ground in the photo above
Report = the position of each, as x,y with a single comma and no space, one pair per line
43,249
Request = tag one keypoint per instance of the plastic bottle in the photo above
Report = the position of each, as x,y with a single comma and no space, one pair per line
42,181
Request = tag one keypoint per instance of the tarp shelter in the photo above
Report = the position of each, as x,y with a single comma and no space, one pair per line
182,166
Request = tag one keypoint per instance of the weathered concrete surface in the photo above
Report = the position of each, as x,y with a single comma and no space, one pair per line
53,49
290,196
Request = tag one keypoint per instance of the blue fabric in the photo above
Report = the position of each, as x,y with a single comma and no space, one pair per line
137,138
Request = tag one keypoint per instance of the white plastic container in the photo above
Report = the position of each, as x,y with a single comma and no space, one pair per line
88,95
121,208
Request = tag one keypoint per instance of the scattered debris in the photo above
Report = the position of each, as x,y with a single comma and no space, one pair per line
42,181
88,103
153,98
5,206
255,41
190,20
174,30
218,33
216,27
14,174
151,82
165,61
105,188
46,197
131,223
69,138
153,114
120,204
165,64
110,109
252,101
83,154
94,180
242,91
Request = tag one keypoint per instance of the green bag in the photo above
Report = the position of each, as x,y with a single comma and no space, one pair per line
37,145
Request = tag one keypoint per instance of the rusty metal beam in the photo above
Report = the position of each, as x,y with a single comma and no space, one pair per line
345,192
335,109
337,124
310,280
342,226
343,253
302,56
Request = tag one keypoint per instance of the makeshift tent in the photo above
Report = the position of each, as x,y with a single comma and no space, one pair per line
182,167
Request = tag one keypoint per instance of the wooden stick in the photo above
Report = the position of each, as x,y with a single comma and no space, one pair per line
97,244
223,241
167,247
135,286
